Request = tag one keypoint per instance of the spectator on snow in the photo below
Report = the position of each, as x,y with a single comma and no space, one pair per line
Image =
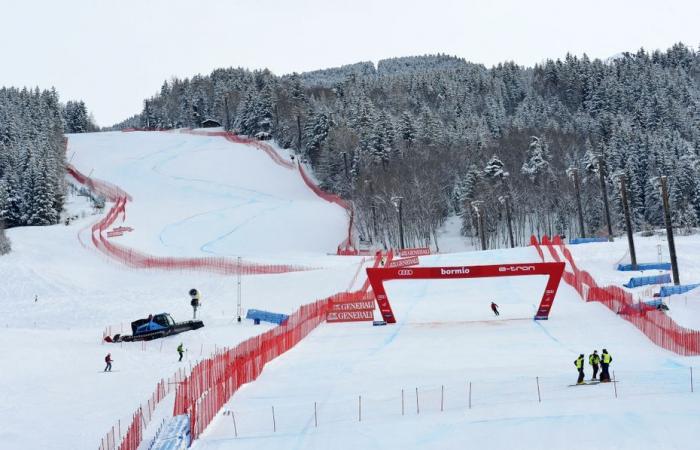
579,366
181,351
594,361
494,308
108,360
605,361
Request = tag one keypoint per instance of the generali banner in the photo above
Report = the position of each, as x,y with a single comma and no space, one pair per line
414,252
351,310
405,262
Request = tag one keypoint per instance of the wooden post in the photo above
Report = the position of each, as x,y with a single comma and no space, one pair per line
691,379
359,408
539,397
669,230
577,188
604,190
315,416
614,384
274,423
470,395
442,398
402,404
628,222
417,405
235,428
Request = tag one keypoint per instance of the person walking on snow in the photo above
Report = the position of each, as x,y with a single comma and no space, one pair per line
181,351
579,366
108,360
194,302
594,360
605,360
494,308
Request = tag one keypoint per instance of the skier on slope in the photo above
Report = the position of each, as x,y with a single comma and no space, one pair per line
594,361
180,351
579,366
194,302
108,360
605,360
494,308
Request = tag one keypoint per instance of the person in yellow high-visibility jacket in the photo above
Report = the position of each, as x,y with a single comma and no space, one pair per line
605,360
594,361
579,366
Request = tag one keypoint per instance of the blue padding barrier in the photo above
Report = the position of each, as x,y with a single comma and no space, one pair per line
587,240
645,266
643,281
267,316
175,434
653,303
672,290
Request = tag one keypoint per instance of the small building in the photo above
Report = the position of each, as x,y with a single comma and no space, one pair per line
210,123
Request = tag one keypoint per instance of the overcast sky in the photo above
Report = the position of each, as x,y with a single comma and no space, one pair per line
113,54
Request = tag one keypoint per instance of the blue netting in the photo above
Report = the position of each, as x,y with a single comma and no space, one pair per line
643,281
645,266
174,435
587,240
266,316
673,290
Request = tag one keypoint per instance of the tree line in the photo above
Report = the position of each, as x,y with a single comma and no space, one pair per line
437,134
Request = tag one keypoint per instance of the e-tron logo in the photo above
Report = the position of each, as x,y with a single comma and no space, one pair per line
405,272
516,268
455,271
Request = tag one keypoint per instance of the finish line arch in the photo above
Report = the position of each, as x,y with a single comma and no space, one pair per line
378,276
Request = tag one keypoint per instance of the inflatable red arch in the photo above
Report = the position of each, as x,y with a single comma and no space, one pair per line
378,276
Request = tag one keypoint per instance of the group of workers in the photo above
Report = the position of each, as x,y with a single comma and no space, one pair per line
596,361
195,302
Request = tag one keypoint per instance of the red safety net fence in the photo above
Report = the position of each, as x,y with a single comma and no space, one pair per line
213,381
133,433
656,325
136,259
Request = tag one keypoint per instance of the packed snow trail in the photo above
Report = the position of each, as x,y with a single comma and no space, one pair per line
447,336
52,346
202,195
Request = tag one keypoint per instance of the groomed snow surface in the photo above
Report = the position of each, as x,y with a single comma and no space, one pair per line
197,196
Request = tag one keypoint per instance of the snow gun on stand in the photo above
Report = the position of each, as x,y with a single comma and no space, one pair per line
154,327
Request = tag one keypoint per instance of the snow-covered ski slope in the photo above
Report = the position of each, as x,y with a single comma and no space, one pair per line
446,338
199,196
203,195
54,394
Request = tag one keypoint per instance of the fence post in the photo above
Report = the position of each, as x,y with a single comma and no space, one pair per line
614,384
315,416
539,397
402,403
235,428
274,423
417,405
470,395
359,409
442,398
691,379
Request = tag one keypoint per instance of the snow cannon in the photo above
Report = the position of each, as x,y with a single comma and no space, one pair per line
154,327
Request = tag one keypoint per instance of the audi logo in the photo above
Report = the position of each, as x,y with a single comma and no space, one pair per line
405,272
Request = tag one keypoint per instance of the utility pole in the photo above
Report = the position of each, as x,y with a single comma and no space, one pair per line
604,189
345,161
398,203
238,306
477,205
669,230
374,210
573,173
505,200
628,222
228,114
